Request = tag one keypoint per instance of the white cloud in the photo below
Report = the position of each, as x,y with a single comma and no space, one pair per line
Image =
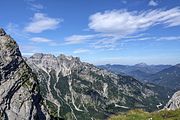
113,26
41,22
76,39
122,22
98,41
169,38
152,3
106,43
45,40
152,38
40,40
104,46
78,51
117,25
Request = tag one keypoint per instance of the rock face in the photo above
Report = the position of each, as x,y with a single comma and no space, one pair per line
174,102
20,98
77,90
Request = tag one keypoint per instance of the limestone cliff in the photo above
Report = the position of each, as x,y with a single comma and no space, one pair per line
20,98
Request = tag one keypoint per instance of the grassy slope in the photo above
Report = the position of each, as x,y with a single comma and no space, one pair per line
141,115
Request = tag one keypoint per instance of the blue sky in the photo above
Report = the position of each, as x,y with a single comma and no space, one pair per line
97,31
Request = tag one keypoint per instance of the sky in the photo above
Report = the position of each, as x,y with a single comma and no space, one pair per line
97,31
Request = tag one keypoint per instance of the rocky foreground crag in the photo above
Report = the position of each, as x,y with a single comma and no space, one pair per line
174,102
20,98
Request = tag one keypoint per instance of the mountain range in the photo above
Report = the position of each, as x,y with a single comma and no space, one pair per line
162,75
169,77
76,89
139,71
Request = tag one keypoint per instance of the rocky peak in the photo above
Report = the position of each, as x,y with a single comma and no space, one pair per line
2,32
10,56
178,65
61,57
42,56
64,57
37,55
49,62
141,65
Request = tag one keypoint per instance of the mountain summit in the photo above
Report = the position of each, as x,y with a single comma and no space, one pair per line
141,65
2,32
20,98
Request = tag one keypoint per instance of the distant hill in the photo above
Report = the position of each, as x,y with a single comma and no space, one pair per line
140,71
169,77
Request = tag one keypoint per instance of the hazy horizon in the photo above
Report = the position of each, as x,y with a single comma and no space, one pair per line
103,62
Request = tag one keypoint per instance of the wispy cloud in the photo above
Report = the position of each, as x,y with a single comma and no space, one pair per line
40,40
119,24
41,22
122,22
152,38
77,39
169,38
34,6
45,40
106,43
81,50
152,3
